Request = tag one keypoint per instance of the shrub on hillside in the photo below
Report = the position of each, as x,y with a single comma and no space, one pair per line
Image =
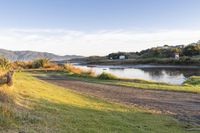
107,76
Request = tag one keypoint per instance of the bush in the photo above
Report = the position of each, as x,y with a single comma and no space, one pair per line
40,63
107,76
4,63
18,65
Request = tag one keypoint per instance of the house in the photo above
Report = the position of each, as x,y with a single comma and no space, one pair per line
180,46
176,56
122,57
165,47
117,56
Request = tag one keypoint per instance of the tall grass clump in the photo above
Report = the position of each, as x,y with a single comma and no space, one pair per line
6,93
5,65
45,63
6,104
70,68
107,76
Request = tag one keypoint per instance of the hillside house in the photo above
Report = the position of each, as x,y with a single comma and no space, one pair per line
180,46
122,57
117,56
165,47
176,56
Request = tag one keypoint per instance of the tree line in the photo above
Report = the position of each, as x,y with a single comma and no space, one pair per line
165,51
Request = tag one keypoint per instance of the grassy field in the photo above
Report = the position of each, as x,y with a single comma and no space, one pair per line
32,106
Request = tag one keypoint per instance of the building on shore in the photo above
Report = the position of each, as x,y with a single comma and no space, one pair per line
176,56
117,56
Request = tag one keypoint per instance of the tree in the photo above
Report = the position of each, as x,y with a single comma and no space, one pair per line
40,63
192,49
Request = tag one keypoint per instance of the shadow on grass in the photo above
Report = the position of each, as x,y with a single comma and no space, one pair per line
43,107
52,117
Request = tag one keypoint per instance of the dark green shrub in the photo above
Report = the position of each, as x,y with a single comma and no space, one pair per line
107,76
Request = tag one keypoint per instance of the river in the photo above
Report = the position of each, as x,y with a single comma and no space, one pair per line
160,73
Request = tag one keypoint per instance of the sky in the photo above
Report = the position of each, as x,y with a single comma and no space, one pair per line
97,27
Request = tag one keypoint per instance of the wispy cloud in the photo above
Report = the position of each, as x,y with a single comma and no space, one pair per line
62,42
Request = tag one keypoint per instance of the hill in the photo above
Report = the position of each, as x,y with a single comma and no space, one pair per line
30,55
170,55
165,51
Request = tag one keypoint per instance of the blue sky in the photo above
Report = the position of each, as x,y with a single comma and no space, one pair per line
85,26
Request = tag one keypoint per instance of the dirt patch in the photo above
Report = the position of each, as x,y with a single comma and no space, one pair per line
184,106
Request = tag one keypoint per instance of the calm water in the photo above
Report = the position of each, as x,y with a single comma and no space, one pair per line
168,74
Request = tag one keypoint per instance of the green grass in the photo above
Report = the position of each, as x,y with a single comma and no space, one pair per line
41,107
193,80
142,84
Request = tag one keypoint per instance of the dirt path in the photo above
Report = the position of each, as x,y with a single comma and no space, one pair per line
185,106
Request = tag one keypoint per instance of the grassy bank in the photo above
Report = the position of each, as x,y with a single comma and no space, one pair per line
188,85
193,80
37,106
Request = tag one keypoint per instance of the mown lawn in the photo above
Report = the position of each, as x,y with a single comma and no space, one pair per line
35,106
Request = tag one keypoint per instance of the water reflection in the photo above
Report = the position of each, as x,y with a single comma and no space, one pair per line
173,75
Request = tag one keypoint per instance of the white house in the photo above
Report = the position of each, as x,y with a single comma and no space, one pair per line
122,57
179,46
176,56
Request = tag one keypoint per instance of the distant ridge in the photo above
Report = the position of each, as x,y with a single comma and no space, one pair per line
30,55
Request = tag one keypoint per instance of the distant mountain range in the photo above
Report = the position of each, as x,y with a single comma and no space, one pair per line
30,55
